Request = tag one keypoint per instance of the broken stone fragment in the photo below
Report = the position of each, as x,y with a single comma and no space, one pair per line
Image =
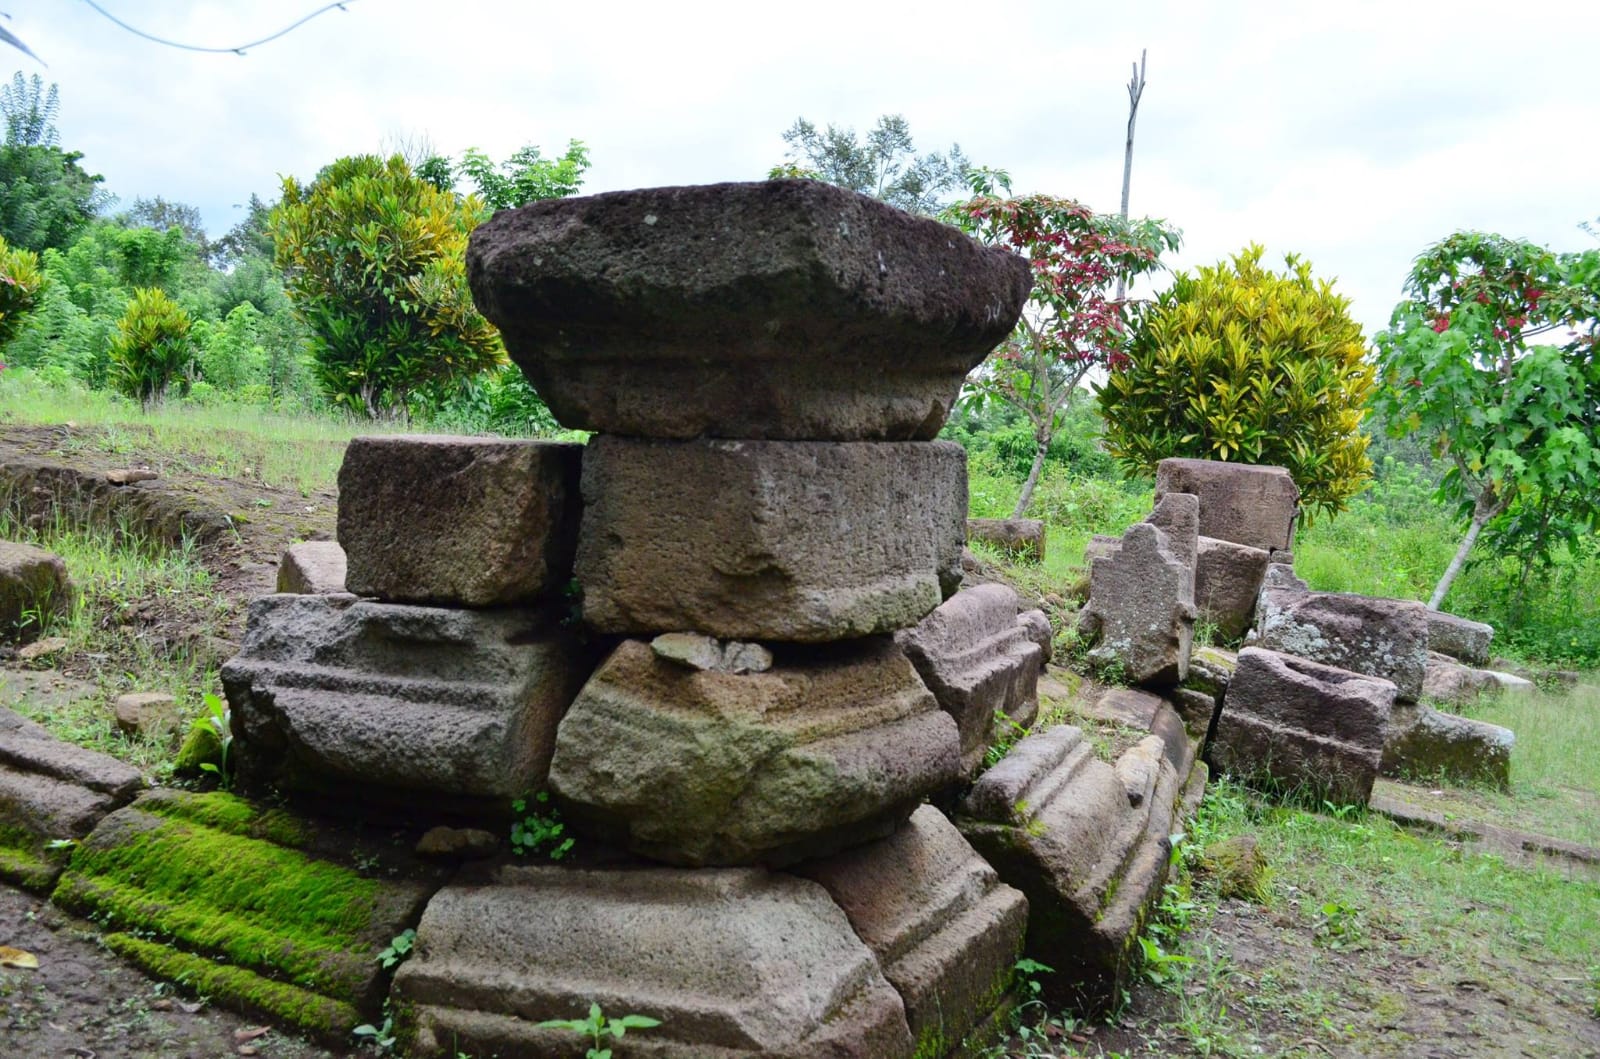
457,843
1178,516
130,475
1467,641
149,713
708,653
1141,609
1019,538
788,309
1385,638
1239,502
33,588
312,568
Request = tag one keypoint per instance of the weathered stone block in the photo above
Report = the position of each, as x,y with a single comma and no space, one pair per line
1178,516
33,588
1036,626
1141,609
1145,712
1019,538
1087,843
826,749
1302,723
312,568
787,309
733,962
978,660
943,927
1425,743
388,702
1448,681
1385,638
769,540
1239,502
474,522
1459,638
1227,582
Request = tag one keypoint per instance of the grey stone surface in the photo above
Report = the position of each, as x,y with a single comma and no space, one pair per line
768,540
1385,638
733,962
787,309
979,661
1145,712
1178,516
1467,641
1101,546
148,713
1227,582
1141,609
824,750
473,522
1020,538
398,702
312,568
1038,629
1451,683
1239,502
698,651
33,588
1425,743
942,926
1087,843
1303,724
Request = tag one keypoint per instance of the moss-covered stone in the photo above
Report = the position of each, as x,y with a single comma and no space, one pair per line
1238,867
202,746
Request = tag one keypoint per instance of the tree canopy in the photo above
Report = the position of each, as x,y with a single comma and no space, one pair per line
884,164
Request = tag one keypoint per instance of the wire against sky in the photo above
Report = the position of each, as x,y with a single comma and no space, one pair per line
237,49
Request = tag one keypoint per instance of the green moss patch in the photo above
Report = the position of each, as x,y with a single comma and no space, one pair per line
26,862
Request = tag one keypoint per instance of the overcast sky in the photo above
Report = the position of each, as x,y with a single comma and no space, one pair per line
1353,133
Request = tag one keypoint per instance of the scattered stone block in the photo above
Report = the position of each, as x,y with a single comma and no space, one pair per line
389,702
1087,843
33,588
1144,712
50,645
1239,869
1141,609
312,568
1227,582
1239,502
1448,681
1385,638
768,540
942,926
1178,516
824,750
50,790
787,310
131,475
1303,724
977,658
708,653
1425,743
472,522
1464,640
1021,539
732,962
1198,710
457,843
1036,626
149,713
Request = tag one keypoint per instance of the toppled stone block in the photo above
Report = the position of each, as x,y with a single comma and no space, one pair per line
33,588
1385,638
147,713
1019,538
1178,516
1141,609
1427,744
942,926
1303,724
312,568
822,751
472,522
787,310
1101,546
1227,582
1087,843
386,702
1239,502
732,962
769,540
51,789
258,909
978,660
1448,681
1144,712
707,652
1036,626
1464,640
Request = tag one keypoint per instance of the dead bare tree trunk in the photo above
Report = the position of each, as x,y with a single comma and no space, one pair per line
1135,91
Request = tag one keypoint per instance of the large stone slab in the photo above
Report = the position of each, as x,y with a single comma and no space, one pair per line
473,522
769,540
1087,843
383,702
1020,538
1424,743
312,568
1385,638
1462,639
1141,609
33,588
826,749
1303,724
51,790
785,309
732,962
1227,583
979,658
1239,502
943,927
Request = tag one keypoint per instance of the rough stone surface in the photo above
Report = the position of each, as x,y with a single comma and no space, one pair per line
769,540
1448,681
474,522
1427,744
1227,582
1036,625
707,652
1303,724
457,843
1464,640
312,568
787,309
396,702
1385,638
1141,609
51,789
1239,502
1019,538
1087,843
1178,516
979,661
733,962
33,587
1145,712
130,475
148,713
943,927
824,750
1101,546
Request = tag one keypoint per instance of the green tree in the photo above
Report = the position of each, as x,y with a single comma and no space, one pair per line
153,347
1518,422
1237,362
46,198
884,165
374,262
526,176
162,216
21,282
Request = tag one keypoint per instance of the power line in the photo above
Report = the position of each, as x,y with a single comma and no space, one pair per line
236,50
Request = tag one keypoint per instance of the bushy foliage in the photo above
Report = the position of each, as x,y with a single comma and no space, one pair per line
21,281
153,347
1237,362
498,401
524,177
884,164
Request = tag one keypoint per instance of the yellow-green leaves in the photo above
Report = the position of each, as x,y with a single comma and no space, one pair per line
153,347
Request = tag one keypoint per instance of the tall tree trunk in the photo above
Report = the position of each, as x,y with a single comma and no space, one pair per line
1135,90
1033,479
1485,508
